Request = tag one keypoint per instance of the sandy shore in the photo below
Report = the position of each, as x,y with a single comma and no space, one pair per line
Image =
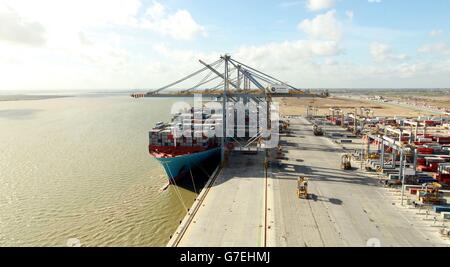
298,106
29,97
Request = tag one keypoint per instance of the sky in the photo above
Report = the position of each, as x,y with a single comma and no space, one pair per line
130,44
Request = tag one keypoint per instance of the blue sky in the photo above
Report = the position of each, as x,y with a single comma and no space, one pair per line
122,44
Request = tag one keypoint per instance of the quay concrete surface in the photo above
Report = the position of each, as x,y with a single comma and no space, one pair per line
232,213
346,208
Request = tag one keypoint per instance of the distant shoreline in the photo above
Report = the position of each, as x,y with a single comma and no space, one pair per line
29,97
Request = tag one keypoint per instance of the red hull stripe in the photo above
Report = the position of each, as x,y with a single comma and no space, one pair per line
171,152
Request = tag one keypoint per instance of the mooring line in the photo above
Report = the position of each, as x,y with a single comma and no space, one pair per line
176,190
266,163
206,189
193,183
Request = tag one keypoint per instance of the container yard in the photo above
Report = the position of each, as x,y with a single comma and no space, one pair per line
395,190
408,155
353,206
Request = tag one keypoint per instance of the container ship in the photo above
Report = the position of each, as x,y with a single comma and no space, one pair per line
190,142
182,145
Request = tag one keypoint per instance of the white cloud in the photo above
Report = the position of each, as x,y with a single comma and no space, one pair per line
75,46
314,63
288,60
437,48
435,33
316,5
75,43
67,31
350,14
63,18
76,14
374,1
292,57
288,51
383,53
411,69
178,62
15,29
156,11
323,44
180,25
324,26
184,55
63,21
103,54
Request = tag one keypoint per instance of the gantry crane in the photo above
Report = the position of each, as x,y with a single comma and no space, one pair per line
229,80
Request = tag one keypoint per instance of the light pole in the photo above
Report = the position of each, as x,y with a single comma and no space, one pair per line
402,173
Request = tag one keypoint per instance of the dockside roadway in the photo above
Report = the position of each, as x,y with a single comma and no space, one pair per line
232,213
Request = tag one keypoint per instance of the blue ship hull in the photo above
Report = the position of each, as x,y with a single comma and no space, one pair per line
178,167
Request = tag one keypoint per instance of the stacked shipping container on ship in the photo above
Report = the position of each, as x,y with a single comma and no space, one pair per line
189,140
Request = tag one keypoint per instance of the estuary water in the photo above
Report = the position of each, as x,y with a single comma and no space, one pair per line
78,168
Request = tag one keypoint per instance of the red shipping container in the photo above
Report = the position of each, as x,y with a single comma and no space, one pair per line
421,162
443,176
413,191
444,180
434,167
443,140
424,150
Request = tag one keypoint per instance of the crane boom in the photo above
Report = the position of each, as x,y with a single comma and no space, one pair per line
218,73
262,73
253,80
185,78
